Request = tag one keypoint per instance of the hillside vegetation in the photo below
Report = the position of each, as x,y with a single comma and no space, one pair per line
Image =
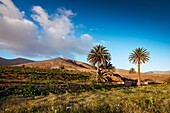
144,99
25,89
40,75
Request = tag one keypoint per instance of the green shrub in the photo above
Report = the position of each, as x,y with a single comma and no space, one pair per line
56,90
68,88
82,88
29,90
2,91
92,87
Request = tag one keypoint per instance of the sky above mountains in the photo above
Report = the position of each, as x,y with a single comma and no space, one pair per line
43,29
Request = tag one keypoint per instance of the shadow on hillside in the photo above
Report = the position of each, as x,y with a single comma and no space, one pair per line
80,65
75,63
123,78
134,82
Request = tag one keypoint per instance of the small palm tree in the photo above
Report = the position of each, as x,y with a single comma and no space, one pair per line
100,56
139,55
107,67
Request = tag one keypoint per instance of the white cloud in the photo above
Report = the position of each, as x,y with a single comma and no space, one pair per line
8,9
91,29
66,12
80,26
58,26
103,41
20,35
86,36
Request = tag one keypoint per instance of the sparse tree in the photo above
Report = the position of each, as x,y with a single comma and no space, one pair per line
138,56
98,55
132,70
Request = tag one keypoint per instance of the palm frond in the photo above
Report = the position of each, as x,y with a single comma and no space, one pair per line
139,54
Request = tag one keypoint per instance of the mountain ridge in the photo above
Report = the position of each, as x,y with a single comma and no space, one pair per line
159,72
11,62
61,63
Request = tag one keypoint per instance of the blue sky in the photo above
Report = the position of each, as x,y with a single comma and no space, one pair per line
120,25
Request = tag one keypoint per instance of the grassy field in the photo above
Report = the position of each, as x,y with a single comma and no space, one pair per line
19,93
151,98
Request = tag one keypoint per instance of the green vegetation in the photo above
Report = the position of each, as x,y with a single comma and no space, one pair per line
132,70
28,90
139,55
41,75
151,98
100,56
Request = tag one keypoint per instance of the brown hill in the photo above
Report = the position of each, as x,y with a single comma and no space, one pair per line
159,72
144,76
69,64
61,63
10,62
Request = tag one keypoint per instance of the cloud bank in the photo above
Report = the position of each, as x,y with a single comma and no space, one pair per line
56,37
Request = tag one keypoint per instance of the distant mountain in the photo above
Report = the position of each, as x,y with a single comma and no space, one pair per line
10,62
159,72
61,63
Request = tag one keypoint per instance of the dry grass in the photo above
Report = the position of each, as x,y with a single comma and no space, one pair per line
144,76
152,98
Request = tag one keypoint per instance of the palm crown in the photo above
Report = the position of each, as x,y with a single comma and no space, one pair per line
139,54
98,54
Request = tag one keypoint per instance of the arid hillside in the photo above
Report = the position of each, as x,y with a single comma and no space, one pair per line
144,76
159,72
61,63
69,64
10,62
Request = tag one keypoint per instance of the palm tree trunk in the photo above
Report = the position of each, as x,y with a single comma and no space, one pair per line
97,77
139,80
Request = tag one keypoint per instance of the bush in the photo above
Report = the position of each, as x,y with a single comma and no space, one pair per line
82,88
132,70
92,87
29,90
168,80
56,90
68,88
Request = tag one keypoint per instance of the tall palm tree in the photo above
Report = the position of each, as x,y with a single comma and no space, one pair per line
98,55
139,55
